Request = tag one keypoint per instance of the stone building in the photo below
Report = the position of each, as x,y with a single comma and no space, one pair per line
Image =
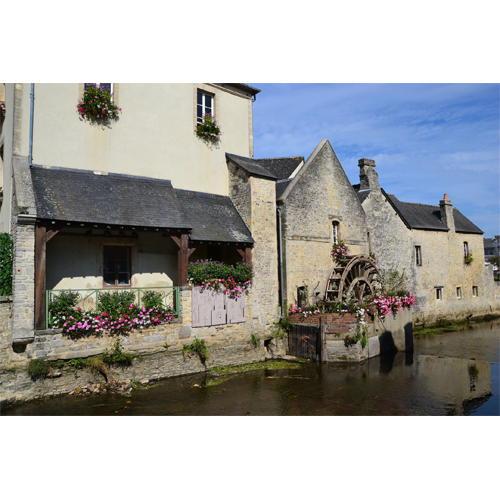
433,244
129,203
317,205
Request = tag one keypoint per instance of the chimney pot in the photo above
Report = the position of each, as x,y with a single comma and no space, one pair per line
445,196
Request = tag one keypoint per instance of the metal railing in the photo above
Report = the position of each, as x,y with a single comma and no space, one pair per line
88,298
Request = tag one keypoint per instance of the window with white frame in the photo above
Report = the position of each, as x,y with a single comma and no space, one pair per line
474,291
418,256
335,232
459,292
205,105
107,86
466,249
439,294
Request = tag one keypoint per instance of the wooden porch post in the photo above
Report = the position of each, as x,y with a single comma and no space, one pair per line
246,254
40,276
184,252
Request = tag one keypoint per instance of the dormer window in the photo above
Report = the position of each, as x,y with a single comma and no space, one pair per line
205,105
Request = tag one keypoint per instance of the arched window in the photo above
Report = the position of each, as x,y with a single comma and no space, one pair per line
466,249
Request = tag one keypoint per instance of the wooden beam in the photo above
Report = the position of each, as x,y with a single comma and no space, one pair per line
182,261
248,255
40,276
50,234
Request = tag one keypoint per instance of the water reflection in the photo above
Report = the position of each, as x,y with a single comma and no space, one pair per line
439,378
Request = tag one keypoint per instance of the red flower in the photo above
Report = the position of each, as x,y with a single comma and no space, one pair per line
103,112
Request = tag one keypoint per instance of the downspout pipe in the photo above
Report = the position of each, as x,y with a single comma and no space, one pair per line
32,109
280,263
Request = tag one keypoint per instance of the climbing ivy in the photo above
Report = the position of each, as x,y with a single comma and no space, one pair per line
6,257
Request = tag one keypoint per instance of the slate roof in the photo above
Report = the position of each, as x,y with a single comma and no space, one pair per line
281,185
213,217
282,168
420,216
71,195
251,166
82,196
362,195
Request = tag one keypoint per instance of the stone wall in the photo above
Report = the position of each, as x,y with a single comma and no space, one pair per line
16,386
161,347
319,194
389,334
255,199
442,264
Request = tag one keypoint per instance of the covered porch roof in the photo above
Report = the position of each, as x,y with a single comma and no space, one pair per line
69,196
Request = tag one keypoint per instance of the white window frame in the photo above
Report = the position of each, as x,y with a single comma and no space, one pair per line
475,292
459,293
439,294
203,105
112,87
466,249
418,255
335,232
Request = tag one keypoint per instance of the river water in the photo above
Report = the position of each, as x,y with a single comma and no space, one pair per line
454,373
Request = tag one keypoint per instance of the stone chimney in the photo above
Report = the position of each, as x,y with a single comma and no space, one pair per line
446,207
367,175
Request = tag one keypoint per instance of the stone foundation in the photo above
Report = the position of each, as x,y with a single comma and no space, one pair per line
160,349
393,333
17,386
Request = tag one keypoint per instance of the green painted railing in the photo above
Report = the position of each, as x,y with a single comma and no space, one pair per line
89,298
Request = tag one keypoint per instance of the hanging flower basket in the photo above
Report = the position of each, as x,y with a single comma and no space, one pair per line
2,108
468,260
97,105
208,129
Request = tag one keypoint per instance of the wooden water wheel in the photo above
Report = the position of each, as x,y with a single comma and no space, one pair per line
356,274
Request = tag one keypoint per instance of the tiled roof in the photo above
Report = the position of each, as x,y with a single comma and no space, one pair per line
251,166
213,217
82,196
420,216
281,186
362,195
282,168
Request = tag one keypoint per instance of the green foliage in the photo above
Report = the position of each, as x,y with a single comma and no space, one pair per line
205,270
13,369
363,341
198,346
393,282
496,278
255,340
152,299
208,128
38,368
468,259
57,364
62,306
116,303
280,329
97,104
116,356
78,363
6,259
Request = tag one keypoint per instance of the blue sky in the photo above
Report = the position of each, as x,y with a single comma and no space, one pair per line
426,139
